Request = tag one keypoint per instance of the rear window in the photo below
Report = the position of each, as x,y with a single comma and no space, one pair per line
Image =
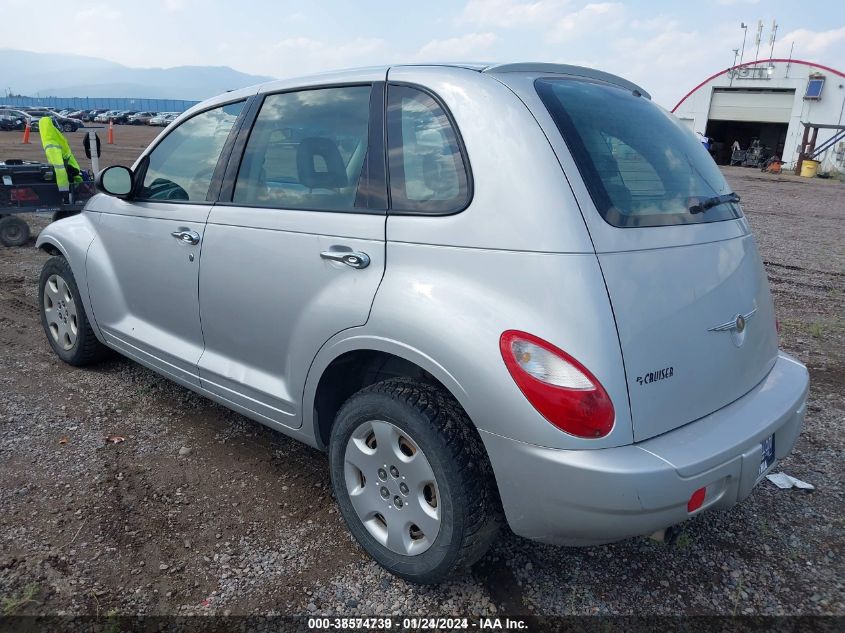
641,166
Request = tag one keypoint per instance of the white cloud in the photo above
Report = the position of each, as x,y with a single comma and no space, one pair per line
300,55
599,16
456,48
809,43
511,13
98,12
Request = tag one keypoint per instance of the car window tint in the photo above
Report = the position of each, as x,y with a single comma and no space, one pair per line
427,170
181,166
641,165
629,172
306,150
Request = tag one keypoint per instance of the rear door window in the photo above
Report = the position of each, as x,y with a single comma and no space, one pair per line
641,166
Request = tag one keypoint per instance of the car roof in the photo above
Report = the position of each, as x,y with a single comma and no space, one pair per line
480,67
378,73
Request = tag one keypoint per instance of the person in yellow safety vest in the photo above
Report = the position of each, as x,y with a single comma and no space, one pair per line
59,156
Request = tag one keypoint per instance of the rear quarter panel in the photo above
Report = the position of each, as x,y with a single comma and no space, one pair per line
444,308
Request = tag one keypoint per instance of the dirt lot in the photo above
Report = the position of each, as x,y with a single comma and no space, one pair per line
200,510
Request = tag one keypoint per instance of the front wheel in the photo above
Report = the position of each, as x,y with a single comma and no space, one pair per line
63,316
413,481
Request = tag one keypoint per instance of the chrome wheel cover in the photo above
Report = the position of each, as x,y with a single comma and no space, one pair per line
392,487
60,312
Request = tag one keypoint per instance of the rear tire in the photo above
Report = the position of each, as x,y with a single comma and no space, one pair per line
13,231
428,467
63,316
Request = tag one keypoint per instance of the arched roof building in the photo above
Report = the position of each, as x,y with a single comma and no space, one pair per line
768,99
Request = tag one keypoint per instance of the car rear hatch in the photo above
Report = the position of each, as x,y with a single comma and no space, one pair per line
690,297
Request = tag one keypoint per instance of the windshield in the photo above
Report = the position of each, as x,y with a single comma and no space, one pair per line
641,166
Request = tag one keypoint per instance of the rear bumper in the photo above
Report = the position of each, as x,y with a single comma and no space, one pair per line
588,497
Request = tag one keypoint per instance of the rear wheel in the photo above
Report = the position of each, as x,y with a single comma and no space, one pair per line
63,316
13,231
413,481
68,127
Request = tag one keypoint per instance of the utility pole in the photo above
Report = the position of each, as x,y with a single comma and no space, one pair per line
772,39
736,52
789,63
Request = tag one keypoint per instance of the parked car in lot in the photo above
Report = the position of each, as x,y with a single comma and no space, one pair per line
165,118
65,124
106,116
92,115
141,118
518,293
12,119
123,116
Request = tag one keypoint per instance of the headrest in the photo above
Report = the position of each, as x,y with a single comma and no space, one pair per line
319,164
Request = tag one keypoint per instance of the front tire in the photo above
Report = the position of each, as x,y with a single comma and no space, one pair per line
413,481
63,316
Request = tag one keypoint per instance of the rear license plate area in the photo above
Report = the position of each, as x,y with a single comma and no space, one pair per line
767,455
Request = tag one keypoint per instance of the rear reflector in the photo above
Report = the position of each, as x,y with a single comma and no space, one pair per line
696,500
557,385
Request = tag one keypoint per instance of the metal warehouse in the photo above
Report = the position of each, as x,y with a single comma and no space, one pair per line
791,107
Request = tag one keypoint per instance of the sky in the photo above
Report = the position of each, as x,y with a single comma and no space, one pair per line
665,46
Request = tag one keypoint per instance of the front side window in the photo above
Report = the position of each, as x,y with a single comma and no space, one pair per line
181,166
307,150
427,169
641,166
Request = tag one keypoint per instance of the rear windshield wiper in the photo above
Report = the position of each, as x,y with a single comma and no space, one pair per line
708,203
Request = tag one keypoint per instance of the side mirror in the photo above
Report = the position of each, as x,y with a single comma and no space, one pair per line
115,181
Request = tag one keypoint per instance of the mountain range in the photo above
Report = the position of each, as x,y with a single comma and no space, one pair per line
49,74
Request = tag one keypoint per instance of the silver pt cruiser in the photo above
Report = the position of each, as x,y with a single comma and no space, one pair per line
518,293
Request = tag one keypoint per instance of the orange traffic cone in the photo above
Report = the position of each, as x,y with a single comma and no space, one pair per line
26,131
111,132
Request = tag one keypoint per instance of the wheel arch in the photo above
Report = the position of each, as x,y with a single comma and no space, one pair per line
343,367
51,247
71,238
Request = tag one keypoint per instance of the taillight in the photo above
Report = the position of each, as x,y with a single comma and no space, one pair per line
557,385
23,194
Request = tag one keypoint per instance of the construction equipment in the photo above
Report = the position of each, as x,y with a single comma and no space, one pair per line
30,187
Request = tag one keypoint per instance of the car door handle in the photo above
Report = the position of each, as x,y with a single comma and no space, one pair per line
350,258
186,236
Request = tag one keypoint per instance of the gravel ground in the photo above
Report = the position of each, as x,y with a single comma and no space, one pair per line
201,511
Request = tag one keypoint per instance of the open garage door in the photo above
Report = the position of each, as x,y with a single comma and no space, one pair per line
762,106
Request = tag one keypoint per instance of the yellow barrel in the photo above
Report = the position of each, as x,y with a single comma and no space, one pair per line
809,168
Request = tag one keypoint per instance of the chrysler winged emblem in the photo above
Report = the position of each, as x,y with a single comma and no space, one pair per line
735,326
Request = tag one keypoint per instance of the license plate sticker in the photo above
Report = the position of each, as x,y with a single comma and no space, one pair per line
767,450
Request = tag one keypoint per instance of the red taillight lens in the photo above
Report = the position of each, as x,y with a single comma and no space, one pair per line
23,194
557,385
696,500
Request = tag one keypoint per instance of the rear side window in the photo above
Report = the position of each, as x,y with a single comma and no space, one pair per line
181,167
427,169
641,166
307,150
